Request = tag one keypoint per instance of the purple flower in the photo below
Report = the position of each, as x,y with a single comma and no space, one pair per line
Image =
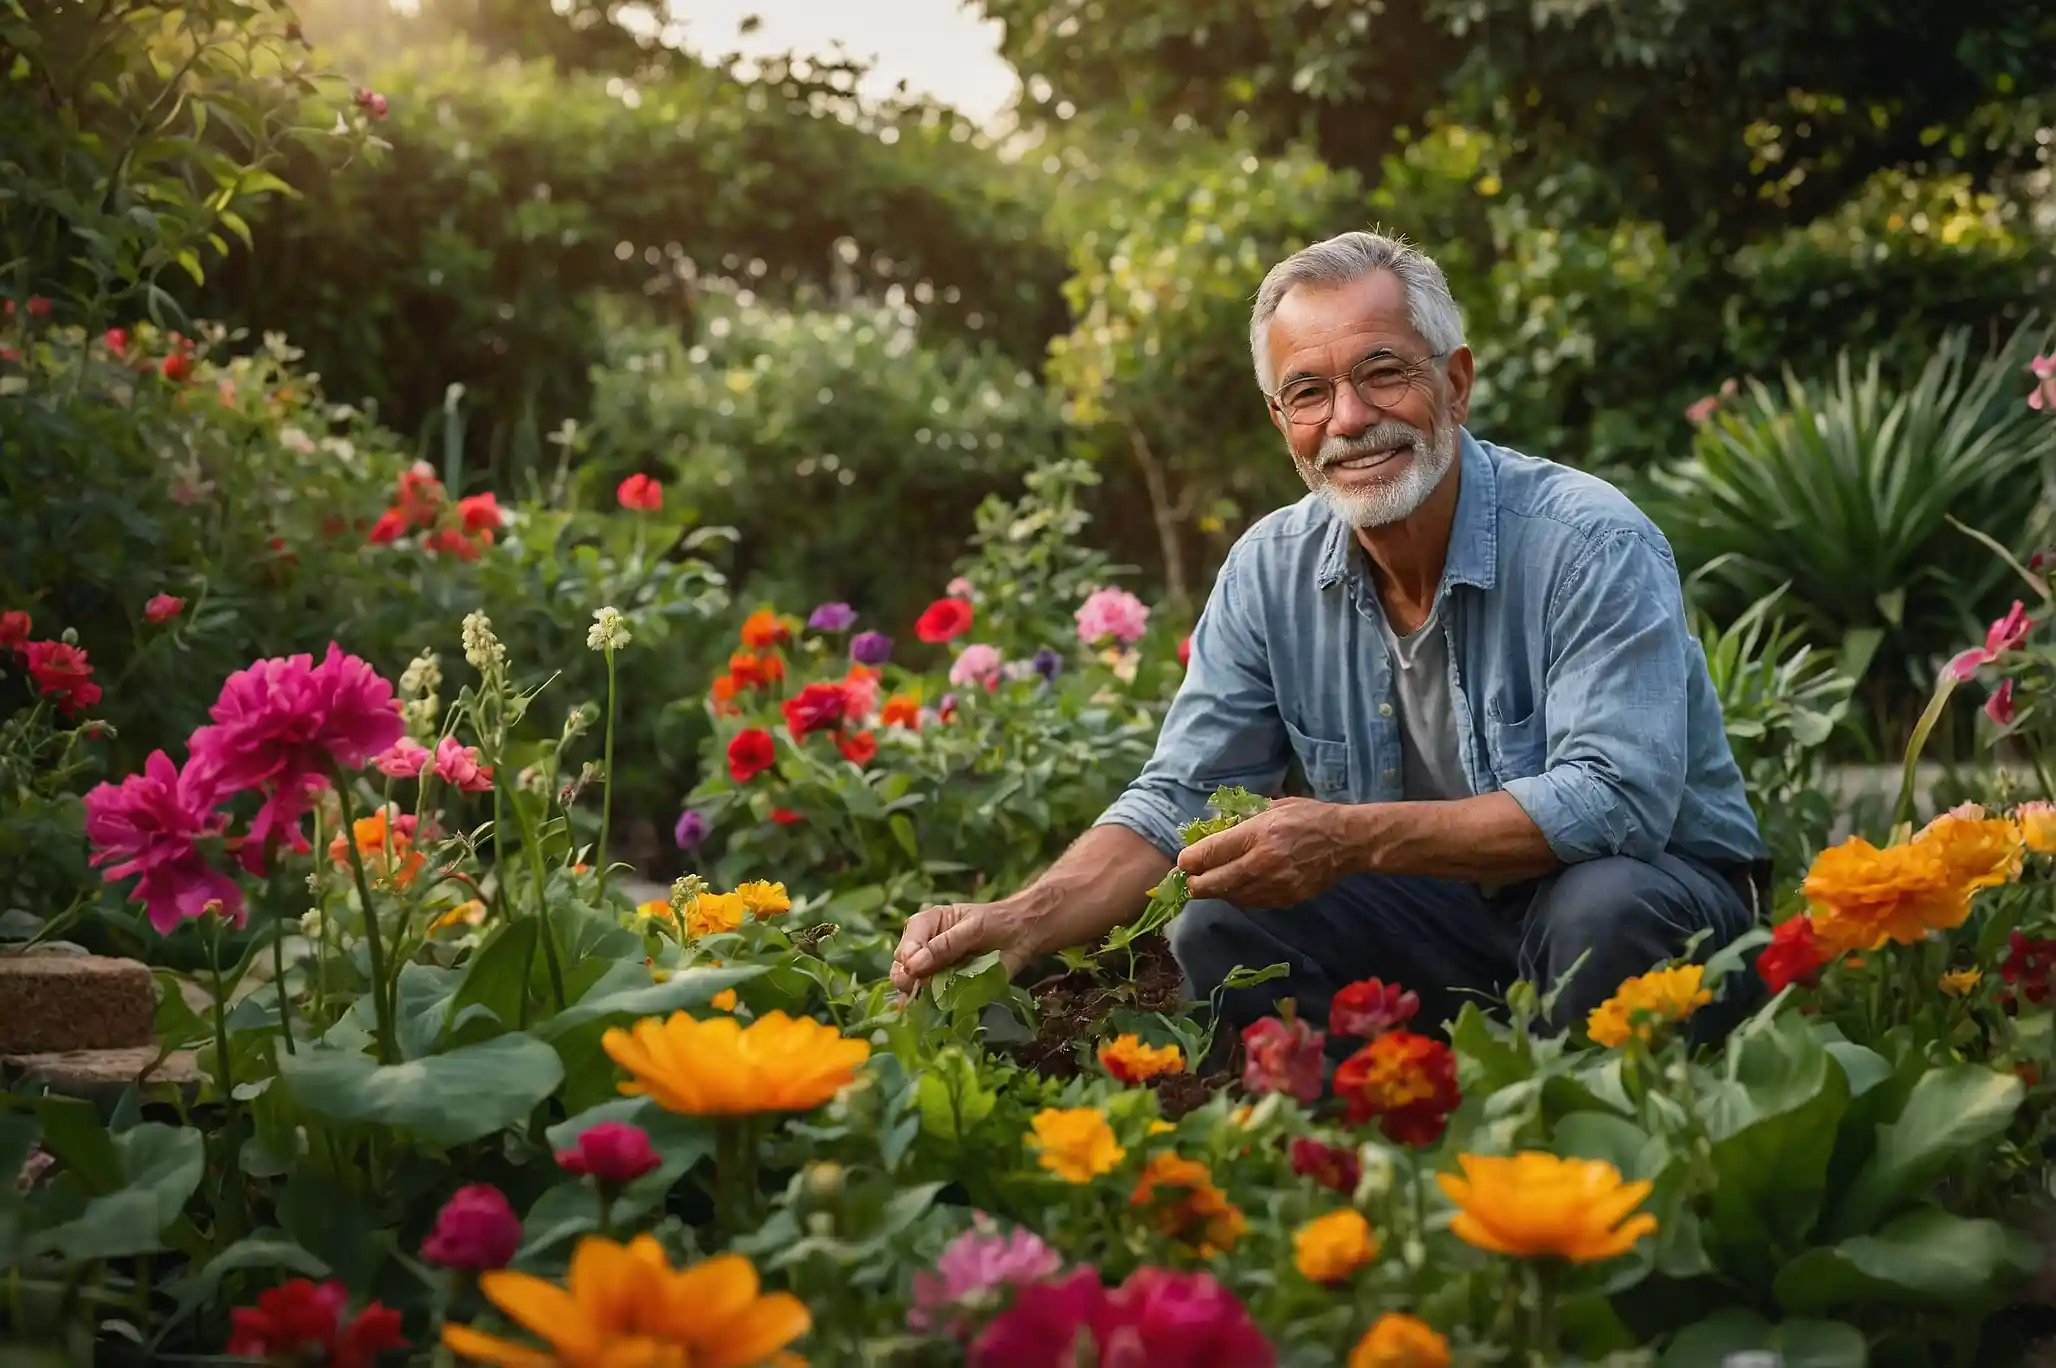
691,829
976,1262
832,617
871,648
1047,662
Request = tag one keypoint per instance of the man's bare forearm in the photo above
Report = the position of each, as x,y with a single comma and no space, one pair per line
1101,881
1487,839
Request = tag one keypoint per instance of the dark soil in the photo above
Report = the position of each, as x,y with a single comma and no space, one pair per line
1070,1007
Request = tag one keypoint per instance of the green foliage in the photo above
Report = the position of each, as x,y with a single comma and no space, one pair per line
1232,806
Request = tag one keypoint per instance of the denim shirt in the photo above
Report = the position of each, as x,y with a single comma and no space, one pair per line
1577,685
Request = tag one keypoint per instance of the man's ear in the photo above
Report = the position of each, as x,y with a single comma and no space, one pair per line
1463,372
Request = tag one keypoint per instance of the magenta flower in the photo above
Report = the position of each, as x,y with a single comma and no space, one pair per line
1044,1326
476,1230
832,617
978,1261
456,764
2004,635
1114,613
280,725
690,831
1156,1319
406,758
152,824
610,1152
163,608
2043,368
1999,707
1283,1056
976,664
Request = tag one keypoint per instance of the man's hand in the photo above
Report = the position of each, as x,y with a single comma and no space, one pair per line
1285,854
939,937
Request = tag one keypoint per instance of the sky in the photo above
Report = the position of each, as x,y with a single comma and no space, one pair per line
939,47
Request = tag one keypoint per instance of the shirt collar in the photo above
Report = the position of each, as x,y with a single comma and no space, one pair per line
1473,533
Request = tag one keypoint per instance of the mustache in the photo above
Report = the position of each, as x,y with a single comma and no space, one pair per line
1390,433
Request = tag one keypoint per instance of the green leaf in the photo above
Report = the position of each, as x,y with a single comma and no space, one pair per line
444,1100
1928,1258
576,1032
1620,1142
903,832
73,1133
952,1099
1951,1114
497,976
571,1209
160,1166
267,1251
1797,1343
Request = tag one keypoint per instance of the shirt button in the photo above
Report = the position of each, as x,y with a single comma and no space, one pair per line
1384,710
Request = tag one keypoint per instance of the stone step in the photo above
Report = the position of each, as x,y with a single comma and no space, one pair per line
53,1002
102,1075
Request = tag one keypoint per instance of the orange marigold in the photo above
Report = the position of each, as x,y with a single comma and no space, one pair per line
2037,822
902,710
1186,1206
1131,1062
1863,895
764,628
1979,851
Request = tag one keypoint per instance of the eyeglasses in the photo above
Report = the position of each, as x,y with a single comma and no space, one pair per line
1380,380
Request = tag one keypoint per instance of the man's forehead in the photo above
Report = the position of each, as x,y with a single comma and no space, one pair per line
1315,323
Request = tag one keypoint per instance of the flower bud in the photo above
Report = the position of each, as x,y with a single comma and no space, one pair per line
825,1180
476,1230
610,1152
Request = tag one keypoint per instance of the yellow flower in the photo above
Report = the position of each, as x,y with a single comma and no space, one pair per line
625,1304
1240,1117
712,913
1863,896
1161,1127
1187,1206
1076,1144
2037,823
764,898
1400,1341
719,1067
463,914
1329,1248
656,908
1959,982
1130,1061
1642,1005
723,1001
1534,1203
1979,851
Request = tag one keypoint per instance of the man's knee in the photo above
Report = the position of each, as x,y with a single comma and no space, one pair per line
1617,917
1204,942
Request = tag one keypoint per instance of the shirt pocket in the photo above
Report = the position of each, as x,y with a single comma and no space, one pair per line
1518,748
1324,763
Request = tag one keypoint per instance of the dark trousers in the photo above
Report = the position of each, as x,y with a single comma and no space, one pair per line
1450,944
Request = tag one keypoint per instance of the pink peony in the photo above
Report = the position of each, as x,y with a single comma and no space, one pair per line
406,758
976,664
456,764
1156,1319
610,1152
476,1230
1112,613
281,725
2043,368
1283,1056
153,823
978,1261
2005,634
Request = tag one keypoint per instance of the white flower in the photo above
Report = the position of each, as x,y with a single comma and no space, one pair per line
609,630
481,647
423,675
296,441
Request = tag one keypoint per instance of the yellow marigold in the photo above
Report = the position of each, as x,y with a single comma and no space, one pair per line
1863,896
1075,1143
1131,1061
712,913
764,898
1959,982
656,907
1186,1206
1979,851
1400,1341
469,913
1329,1248
719,1067
624,1304
2037,823
1534,1204
1644,1004
723,1001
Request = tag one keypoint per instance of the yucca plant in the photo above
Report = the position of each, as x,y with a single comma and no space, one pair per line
1843,489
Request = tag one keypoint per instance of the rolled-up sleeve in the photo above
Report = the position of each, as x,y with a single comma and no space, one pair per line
1616,705
1222,728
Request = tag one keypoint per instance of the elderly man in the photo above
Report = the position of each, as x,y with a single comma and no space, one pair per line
1480,662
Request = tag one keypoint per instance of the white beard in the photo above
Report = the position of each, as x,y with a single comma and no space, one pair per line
1392,500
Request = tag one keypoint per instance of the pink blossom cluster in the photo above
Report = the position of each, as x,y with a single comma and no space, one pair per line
280,729
978,1263
1156,1319
453,762
1112,613
976,664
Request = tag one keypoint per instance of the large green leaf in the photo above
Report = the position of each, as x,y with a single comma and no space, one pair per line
496,979
1796,1343
445,1099
1952,1113
571,1209
577,1031
160,1167
1927,1258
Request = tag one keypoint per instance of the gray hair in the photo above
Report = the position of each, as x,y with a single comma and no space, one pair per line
1350,257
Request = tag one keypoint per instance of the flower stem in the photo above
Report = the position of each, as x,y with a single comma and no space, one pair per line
278,978
1542,1350
388,1053
227,1080
607,780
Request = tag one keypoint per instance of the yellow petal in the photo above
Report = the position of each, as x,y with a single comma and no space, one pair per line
467,1343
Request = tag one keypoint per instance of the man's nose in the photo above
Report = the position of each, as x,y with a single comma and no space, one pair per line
1350,415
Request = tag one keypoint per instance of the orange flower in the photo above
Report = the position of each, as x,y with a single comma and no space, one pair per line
463,914
1863,896
747,670
719,1067
902,710
1132,1062
712,913
1074,1143
1643,1005
386,847
1534,1204
764,898
1980,852
1396,1340
764,628
1406,1081
1329,1248
1187,1206
2037,822
723,1001
725,689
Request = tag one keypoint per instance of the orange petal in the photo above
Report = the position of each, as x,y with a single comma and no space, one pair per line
544,1309
698,1301
768,1326
1473,1231
1617,1243
467,1343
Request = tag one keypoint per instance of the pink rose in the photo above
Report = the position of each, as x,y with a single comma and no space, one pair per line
1114,613
456,764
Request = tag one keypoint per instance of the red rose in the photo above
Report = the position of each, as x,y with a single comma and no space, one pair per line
816,708
14,628
482,514
297,1317
641,494
177,367
1370,1007
945,620
452,541
61,672
2029,962
391,525
1283,1056
860,750
1332,1166
476,1230
750,754
1794,955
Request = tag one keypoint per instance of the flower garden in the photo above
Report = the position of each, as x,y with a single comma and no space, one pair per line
517,865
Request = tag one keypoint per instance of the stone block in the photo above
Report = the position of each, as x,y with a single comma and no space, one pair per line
51,1003
102,1075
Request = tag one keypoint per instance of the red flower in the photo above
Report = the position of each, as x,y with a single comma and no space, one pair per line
816,708
1794,955
1185,653
1406,1081
611,1152
787,817
1370,1007
39,307
482,515
751,671
62,672
1156,1318
1332,1166
860,750
117,340
372,103
452,541
476,1230
1999,707
2029,961
163,608
177,367
764,628
640,493
750,754
946,619
1283,1056
14,628
390,527
297,1317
